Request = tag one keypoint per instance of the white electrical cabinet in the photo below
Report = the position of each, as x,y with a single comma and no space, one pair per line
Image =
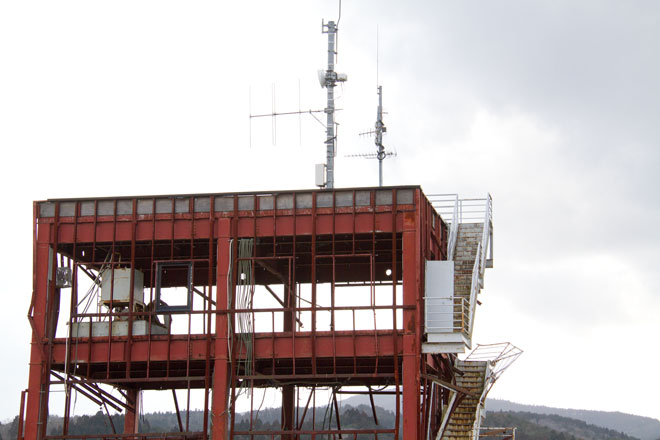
116,284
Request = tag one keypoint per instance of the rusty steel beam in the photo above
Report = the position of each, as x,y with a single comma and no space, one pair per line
321,244
80,389
131,415
221,369
302,419
334,401
178,228
176,407
373,406
21,414
200,293
451,386
266,346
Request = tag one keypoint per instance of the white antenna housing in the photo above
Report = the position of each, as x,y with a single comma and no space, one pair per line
320,175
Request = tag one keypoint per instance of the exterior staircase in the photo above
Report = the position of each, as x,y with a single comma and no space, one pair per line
465,419
468,268
467,246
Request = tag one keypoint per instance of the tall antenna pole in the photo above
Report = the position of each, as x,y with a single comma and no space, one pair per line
325,173
380,128
330,78
329,82
378,132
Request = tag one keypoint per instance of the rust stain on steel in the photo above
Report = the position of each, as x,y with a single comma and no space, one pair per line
351,261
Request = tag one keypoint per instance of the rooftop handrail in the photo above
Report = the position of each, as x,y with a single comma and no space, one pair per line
455,211
469,210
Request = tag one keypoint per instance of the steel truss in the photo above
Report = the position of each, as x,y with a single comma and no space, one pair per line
310,296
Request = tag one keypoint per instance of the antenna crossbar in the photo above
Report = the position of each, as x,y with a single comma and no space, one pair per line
302,112
328,79
379,130
379,156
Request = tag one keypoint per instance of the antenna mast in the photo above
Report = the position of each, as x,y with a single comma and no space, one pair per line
329,81
325,173
380,129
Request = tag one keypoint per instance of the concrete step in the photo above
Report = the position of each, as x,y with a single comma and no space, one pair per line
462,420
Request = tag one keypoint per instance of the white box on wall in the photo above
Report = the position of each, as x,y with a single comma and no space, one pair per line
439,297
118,284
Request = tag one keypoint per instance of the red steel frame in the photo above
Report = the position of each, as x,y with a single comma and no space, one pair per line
301,238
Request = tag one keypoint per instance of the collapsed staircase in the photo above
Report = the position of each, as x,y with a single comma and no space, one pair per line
465,419
469,253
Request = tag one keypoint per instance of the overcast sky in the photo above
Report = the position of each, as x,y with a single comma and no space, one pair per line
551,106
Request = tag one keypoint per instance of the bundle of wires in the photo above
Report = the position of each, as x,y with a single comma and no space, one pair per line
244,298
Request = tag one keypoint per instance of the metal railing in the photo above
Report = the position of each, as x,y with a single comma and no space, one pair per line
447,315
497,433
455,211
499,357
467,210
480,262
487,235
140,436
448,207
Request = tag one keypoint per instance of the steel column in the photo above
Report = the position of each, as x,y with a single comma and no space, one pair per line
411,338
38,388
219,405
132,414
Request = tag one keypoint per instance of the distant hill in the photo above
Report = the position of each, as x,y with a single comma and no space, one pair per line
268,419
644,428
533,422
531,426
534,426
387,402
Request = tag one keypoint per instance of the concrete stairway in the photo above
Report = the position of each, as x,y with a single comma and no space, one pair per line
461,423
468,239
459,337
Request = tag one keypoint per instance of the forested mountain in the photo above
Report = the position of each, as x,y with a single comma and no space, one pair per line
267,419
531,426
644,428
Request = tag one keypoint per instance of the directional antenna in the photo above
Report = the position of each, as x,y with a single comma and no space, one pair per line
328,79
378,132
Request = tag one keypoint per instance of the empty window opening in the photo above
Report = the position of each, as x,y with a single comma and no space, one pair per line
174,286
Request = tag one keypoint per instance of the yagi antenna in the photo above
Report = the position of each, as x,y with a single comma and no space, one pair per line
328,79
274,113
380,128
378,132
